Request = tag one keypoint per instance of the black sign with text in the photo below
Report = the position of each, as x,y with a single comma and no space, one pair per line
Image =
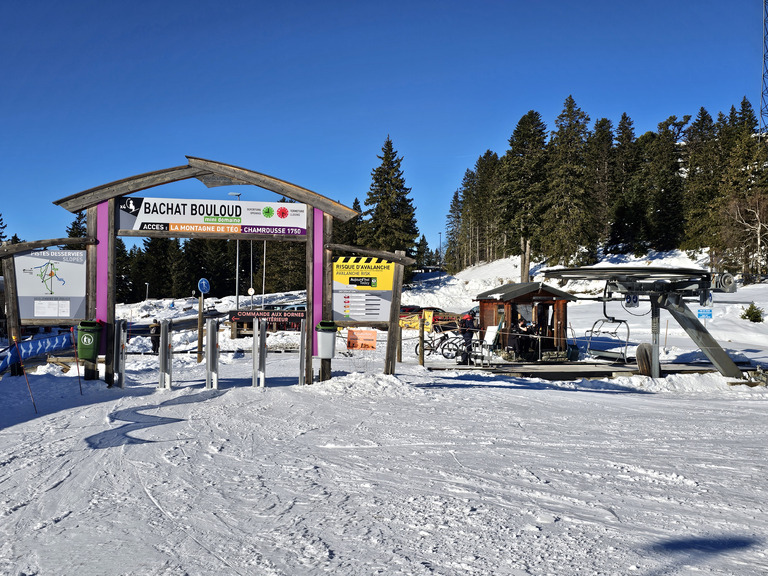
268,315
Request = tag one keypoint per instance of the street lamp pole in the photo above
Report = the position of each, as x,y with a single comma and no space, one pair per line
237,264
251,290
440,254
264,274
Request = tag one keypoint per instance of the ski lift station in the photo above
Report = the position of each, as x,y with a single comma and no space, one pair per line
544,306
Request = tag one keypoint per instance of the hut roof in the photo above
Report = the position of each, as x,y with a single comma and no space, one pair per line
514,291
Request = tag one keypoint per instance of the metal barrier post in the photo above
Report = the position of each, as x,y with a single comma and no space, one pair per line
256,353
164,356
121,339
421,341
212,354
262,352
302,350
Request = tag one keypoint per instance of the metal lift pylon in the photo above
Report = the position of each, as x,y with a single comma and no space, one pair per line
666,289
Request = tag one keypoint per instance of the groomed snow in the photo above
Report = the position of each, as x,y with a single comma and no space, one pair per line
449,472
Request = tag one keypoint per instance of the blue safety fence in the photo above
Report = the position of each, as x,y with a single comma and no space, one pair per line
34,347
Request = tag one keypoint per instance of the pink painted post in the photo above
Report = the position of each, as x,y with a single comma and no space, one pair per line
317,278
102,265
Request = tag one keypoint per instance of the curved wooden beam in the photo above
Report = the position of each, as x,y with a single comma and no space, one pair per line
82,200
7,249
210,173
287,189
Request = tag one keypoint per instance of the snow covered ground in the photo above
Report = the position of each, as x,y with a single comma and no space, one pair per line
448,473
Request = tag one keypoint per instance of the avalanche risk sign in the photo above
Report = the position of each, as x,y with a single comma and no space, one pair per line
362,289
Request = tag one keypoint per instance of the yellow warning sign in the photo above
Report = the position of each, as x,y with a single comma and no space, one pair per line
364,273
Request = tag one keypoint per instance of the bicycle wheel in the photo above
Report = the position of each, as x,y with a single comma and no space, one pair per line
428,348
450,349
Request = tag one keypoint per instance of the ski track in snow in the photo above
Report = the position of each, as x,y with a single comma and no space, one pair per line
422,473
368,474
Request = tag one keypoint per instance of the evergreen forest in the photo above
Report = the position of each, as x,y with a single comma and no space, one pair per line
562,196
584,188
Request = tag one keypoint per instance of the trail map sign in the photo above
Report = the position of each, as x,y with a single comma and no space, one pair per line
51,284
212,216
362,289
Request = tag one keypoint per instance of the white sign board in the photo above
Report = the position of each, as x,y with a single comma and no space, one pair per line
185,217
51,284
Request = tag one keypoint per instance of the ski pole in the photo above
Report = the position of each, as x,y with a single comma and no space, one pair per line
25,374
77,361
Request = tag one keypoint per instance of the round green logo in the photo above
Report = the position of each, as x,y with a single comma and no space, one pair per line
268,212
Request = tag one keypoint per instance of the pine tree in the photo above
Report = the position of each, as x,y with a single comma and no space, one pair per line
627,219
665,206
567,220
422,255
180,278
77,229
157,266
286,267
480,217
137,266
193,254
522,184
601,185
452,256
744,204
390,219
347,232
3,225
490,221
123,280
746,121
701,186
15,239
79,226
467,226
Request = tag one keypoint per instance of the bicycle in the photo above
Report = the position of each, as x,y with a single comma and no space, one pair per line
447,343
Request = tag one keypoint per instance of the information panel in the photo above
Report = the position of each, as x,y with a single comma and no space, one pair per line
362,289
211,216
51,284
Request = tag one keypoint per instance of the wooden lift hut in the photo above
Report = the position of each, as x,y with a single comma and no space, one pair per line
538,303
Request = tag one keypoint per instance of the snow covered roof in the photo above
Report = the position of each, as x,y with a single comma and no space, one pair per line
517,290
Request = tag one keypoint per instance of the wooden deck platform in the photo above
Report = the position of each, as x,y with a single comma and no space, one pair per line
573,370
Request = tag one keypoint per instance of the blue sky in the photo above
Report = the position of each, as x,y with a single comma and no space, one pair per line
308,91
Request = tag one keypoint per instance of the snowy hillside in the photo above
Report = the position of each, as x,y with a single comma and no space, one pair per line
425,472
456,293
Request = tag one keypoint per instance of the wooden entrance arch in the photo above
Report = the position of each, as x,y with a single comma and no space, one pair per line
100,204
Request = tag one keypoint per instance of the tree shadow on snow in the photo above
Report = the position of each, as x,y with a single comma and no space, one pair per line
697,550
270,382
509,383
137,420
54,395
